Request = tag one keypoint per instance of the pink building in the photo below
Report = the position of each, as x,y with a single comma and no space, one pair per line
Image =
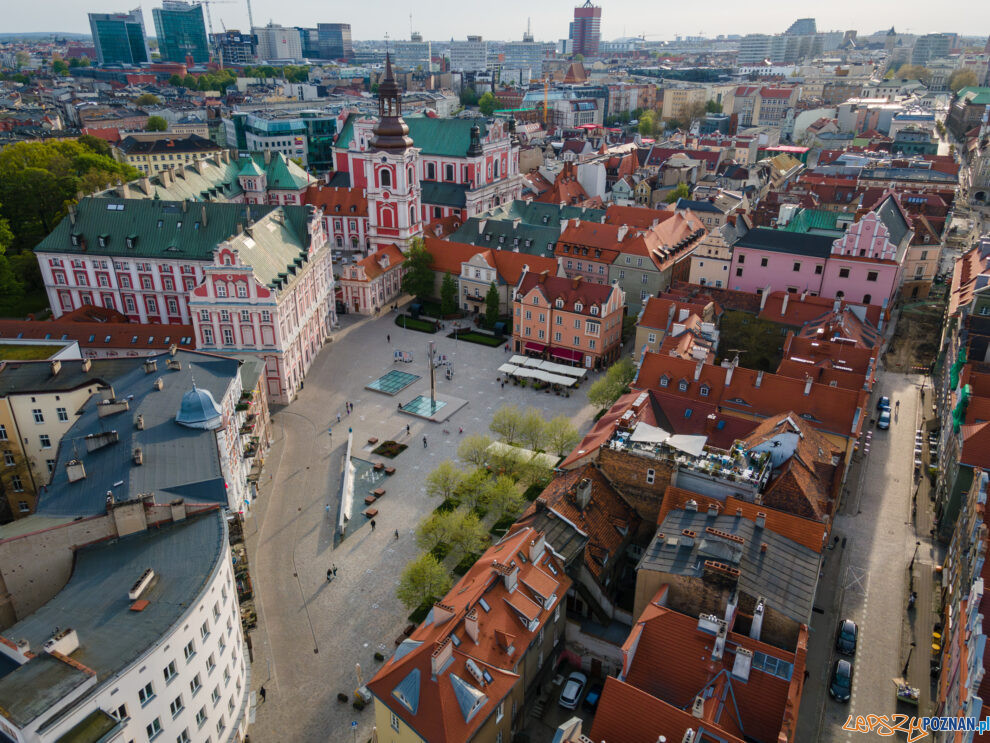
373,282
864,265
774,260
569,320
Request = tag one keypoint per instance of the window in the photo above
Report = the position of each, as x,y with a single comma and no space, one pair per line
211,663
241,291
146,694
39,417
17,484
682,385
153,728
705,389
215,694
556,337
208,336
500,710
62,414
120,713
224,316
448,172
152,305
650,476
797,265
266,316
8,458
228,337
183,737
867,298
3,433
818,269
394,721
843,273
201,716
169,672
871,276
763,262
195,685
577,341
221,290
176,706
46,441
742,258
738,272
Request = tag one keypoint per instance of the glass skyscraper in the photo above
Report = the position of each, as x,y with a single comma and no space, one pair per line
181,32
119,38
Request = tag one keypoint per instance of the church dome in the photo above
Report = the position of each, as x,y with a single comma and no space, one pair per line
198,409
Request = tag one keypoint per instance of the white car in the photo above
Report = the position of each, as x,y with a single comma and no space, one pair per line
573,689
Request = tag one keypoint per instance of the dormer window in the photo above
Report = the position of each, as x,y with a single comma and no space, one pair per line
594,309
664,380
578,307
104,240
131,241
560,304
74,238
536,300
705,389
682,385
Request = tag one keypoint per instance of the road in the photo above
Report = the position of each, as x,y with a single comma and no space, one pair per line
867,580
312,633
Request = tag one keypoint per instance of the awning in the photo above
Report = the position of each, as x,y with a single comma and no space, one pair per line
693,445
647,434
532,347
518,360
569,354
508,369
567,371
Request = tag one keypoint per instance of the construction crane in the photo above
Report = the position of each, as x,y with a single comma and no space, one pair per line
546,92
209,22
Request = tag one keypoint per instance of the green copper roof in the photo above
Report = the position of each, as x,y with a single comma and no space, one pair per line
160,229
817,221
282,173
250,167
975,96
444,137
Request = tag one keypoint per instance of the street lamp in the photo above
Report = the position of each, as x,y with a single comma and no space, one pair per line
904,673
916,546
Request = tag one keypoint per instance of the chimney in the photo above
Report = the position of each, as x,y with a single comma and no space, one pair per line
583,493
471,625
763,298
141,584
159,384
757,625
687,538
743,663
65,642
442,612
75,470
268,157
72,214
697,369
138,455
807,385
543,277
441,657
86,365
761,520
537,547
621,233
698,707
202,215
759,379
691,505
150,366
783,304
56,366
763,548
139,423
576,282
713,509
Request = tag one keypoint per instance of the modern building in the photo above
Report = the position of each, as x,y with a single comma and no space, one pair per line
586,29
119,38
969,108
469,56
802,27
467,671
334,40
181,31
930,46
568,319
527,54
411,55
277,43
153,155
304,135
236,48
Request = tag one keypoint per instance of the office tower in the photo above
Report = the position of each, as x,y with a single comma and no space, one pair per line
119,38
235,47
334,40
802,27
930,46
278,42
586,30
181,32
469,56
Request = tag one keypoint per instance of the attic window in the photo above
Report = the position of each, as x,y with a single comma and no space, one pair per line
682,385
484,605
196,226
74,238
594,309
178,225
160,223
107,339
664,380
687,413
705,389
131,241
559,303
104,239
353,208
133,339
578,306
336,207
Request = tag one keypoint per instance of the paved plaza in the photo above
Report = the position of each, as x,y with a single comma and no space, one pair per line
312,633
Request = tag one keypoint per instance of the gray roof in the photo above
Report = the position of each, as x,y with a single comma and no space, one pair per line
407,690
445,194
95,604
780,241
890,214
468,698
698,206
177,461
786,574
537,222
36,376
562,536
273,248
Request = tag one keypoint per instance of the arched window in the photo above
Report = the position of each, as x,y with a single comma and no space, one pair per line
496,168
448,173
411,178
385,176
412,215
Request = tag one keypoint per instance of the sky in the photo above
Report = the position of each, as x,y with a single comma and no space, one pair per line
445,19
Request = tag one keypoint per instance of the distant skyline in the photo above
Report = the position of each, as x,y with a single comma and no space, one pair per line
444,19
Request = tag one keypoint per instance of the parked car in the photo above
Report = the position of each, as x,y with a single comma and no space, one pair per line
883,422
883,403
593,695
842,680
846,636
571,694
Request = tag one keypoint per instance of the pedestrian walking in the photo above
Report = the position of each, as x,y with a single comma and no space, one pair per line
338,417
262,693
388,337
460,430
424,442
372,524
328,510
407,427
329,574
334,568
396,535
330,432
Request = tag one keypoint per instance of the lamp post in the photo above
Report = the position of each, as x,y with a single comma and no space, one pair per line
908,661
917,544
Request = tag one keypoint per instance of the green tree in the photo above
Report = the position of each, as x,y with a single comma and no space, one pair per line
680,191
189,81
507,424
562,436
418,280
469,97
578,57
147,99
603,393
448,295
491,306
84,62
962,79
533,429
175,81
533,471
60,67
914,72
503,497
11,288
22,60
156,124
471,489
504,459
468,535
442,482
474,450
647,124
695,112
73,63
713,107
423,581
434,531
487,103
97,145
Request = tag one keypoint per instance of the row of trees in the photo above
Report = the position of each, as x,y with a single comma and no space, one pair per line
604,392
419,278
528,428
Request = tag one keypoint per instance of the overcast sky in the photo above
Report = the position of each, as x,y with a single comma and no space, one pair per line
443,19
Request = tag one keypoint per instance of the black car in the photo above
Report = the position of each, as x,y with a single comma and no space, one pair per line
842,680
846,636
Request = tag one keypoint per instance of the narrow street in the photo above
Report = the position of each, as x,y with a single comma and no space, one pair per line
866,580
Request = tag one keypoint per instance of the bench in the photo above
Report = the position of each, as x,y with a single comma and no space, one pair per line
378,492
379,465
369,499
390,470
372,441
371,512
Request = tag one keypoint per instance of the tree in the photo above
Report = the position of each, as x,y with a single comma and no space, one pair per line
175,81
189,81
534,470
713,107
914,72
11,287
443,481
532,429
504,459
448,295
97,145
22,60
578,57
647,124
467,534
562,436
474,450
156,124
695,112
469,97
60,67
680,191
423,581
148,99
503,497
471,488
487,103
507,423
609,388
491,306
962,79
418,280
433,531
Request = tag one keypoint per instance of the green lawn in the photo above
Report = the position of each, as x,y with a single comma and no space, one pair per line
411,323
480,338
26,352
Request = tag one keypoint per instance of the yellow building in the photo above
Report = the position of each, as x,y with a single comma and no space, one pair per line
678,102
16,486
154,153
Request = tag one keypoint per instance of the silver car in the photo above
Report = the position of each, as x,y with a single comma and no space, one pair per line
573,689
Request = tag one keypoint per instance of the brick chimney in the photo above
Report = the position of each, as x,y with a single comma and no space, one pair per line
582,493
759,379
783,304
441,657
471,625
807,385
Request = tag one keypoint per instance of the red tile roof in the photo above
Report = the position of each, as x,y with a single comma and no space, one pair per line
635,216
803,309
335,201
565,189
95,336
448,257
633,403
965,272
571,291
656,313
372,264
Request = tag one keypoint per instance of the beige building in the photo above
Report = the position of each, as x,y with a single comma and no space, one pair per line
710,261
922,259
16,486
678,102
152,156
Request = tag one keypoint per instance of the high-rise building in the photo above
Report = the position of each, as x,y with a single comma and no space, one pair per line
334,40
309,41
527,53
235,47
586,30
278,42
470,55
802,27
930,46
411,54
119,38
181,32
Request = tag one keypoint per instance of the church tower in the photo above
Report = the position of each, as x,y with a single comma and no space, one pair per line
391,170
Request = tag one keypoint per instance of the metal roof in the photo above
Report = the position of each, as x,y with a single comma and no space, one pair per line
779,241
95,604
